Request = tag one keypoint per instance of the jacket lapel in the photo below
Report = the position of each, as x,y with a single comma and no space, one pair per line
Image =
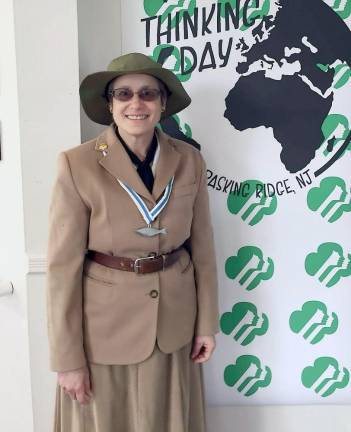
118,164
166,165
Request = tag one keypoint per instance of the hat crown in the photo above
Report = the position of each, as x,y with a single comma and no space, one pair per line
93,87
131,62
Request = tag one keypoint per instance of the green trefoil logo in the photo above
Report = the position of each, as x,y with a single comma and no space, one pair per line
341,7
247,375
329,264
335,129
331,200
341,71
169,56
183,127
244,323
342,74
246,203
164,8
325,376
313,322
249,267
255,10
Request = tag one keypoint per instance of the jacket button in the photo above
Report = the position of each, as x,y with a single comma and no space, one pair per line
153,293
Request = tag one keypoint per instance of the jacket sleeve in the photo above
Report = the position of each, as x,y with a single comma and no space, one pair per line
68,233
201,245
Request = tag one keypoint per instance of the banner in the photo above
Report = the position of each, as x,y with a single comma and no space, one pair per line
270,83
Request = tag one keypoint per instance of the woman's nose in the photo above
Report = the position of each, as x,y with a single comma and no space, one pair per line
136,100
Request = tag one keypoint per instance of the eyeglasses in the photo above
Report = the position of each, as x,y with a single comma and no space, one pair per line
126,94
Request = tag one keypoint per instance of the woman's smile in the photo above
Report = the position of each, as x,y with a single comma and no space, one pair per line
137,116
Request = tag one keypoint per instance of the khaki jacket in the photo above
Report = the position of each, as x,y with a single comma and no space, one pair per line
107,316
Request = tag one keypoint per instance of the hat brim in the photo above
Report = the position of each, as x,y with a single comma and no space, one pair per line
92,93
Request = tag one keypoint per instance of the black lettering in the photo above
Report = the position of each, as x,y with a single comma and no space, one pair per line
167,32
224,56
209,174
212,64
219,17
245,186
237,189
229,13
147,28
213,181
182,59
259,190
191,22
227,184
309,180
288,187
177,20
280,191
300,181
219,187
247,3
206,20
270,190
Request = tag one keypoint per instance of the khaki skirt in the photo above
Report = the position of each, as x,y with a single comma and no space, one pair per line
164,393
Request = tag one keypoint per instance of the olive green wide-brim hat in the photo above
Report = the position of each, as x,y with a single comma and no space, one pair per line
93,88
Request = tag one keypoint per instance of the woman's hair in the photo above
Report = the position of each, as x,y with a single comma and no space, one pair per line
162,86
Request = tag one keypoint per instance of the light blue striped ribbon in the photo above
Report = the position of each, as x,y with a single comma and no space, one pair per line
149,215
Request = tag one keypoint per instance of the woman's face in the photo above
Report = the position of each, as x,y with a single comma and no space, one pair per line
135,116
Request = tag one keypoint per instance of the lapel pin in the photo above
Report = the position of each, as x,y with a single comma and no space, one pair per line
102,147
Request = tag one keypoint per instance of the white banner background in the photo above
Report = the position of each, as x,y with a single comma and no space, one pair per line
287,236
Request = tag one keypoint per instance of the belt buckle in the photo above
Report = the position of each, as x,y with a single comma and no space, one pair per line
137,265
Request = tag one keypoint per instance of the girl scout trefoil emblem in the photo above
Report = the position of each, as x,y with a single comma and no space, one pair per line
149,215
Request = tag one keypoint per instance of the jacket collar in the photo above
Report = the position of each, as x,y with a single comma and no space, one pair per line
117,162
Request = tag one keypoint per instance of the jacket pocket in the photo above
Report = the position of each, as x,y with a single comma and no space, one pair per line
188,266
188,189
98,291
185,262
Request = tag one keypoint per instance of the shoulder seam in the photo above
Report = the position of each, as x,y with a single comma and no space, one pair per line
73,181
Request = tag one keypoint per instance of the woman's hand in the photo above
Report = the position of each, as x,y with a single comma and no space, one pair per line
76,383
203,347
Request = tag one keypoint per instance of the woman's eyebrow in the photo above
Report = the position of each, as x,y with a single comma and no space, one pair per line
147,86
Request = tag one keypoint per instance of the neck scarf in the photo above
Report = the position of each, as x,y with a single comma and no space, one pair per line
143,167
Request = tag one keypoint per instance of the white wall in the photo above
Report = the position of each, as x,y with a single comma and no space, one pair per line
304,418
52,129
15,389
100,41
40,59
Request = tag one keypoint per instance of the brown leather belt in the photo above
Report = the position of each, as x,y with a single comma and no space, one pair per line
149,264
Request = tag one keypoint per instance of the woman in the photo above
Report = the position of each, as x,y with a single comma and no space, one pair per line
131,293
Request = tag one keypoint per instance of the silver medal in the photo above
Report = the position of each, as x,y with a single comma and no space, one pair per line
149,215
150,231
